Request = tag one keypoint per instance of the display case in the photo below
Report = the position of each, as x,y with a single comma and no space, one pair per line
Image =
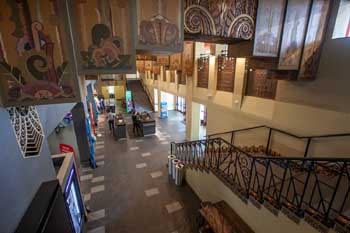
159,26
104,34
36,62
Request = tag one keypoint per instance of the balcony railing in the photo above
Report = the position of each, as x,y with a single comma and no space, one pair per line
266,133
316,189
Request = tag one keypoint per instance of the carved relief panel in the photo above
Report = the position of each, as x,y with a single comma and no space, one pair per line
226,73
188,58
140,66
220,20
163,60
159,25
175,61
203,72
260,85
104,31
35,64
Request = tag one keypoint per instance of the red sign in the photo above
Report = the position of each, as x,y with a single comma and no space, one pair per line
65,148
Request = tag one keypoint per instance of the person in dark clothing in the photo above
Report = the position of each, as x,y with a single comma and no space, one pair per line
134,122
110,117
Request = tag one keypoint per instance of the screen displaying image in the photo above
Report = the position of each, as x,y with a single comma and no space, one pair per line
74,209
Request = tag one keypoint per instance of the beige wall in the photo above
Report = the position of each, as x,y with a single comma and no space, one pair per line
210,188
304,108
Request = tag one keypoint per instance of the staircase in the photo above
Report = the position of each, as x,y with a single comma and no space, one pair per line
315,189
140,97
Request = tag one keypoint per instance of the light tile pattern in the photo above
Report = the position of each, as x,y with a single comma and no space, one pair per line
173,207
99,157
98,188
100,147
146,154
98,179
86,177
156,174
96,215
134,148
100,163
166,142
141,165
139,140
87,197
151,192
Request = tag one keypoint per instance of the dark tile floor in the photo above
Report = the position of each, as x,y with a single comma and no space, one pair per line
123,206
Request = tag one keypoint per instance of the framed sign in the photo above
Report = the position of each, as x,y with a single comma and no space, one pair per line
104,31
293,34
159,26
314,39
268,27
36,63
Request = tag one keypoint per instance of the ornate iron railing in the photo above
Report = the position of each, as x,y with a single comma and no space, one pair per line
316,189
269,131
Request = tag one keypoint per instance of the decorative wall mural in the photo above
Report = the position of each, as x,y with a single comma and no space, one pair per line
268,29
314,38
34,64
160,25
28,129
188,58
104,31
220,18
175,61
293,34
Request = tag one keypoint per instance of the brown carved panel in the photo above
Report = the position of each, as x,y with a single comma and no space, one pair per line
188,58
203,72
104,33
226,73
35,64
163,60
182,78
160,26
220,20
260,85
175,61
148,65
140,66
172,76
156,69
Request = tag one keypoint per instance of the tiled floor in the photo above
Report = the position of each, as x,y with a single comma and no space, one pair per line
131,191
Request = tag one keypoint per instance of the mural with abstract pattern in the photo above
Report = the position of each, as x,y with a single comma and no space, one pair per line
34,65
220,18
104,31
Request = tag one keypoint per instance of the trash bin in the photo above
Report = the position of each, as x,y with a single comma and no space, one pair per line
179,173
175,161
170,164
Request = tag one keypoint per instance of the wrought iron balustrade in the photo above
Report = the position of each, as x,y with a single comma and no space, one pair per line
316,189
